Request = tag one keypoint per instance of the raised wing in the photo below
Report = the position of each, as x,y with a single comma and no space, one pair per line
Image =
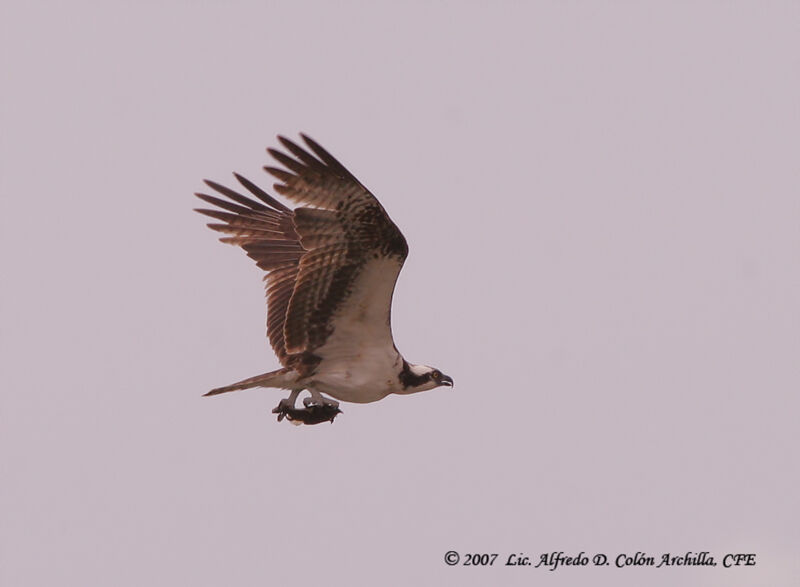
317,256
266,232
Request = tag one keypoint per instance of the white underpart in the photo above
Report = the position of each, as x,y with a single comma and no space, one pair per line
359,361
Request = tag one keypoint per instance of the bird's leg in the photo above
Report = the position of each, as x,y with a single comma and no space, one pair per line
317,399
317,409
286,405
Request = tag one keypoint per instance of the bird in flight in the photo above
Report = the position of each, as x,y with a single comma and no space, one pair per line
331,266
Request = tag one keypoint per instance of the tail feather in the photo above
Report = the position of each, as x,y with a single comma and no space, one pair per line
282,378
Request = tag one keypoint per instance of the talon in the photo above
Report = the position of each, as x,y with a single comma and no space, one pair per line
284,408
313,413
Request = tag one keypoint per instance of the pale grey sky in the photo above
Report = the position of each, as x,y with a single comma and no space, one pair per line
601,201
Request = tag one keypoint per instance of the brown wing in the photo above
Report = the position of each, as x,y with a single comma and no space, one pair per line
313,254
345,230
267,234
318,180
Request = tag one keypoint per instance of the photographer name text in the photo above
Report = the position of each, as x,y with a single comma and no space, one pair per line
557,560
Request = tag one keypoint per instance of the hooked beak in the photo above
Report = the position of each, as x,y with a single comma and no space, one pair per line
448,381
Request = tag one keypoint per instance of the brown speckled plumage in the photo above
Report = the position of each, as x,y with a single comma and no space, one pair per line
312,254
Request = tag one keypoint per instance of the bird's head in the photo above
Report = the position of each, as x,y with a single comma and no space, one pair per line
414,378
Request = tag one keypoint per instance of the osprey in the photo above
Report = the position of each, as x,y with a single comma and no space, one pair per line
331,270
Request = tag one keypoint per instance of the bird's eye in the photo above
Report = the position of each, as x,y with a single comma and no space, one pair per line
436,374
